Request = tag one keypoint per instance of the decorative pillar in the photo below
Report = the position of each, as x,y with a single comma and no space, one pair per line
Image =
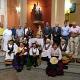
23,12
58,15
53,13
5,14
60,12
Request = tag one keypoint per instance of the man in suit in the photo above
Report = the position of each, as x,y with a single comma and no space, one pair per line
56,33
47,31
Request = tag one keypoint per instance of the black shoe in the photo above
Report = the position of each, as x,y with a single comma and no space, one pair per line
34,65
65,67
19,70
28,68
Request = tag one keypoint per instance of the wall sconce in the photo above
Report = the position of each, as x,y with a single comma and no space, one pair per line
18,9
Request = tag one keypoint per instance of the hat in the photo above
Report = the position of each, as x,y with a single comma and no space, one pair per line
53,60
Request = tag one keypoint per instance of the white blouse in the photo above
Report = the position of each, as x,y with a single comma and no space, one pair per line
46,52
33,50
56,52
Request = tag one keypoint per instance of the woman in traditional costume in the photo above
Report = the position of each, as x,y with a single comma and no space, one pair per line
66,56
46,51
55,65
20,58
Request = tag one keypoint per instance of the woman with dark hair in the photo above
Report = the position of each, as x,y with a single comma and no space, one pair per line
20,58
55,65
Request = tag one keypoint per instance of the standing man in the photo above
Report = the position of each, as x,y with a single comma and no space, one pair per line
74,40
20,33
56,33
1,35
47,31
25,29
7,35
13,32
65,32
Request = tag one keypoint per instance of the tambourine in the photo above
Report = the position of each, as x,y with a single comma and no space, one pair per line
53,60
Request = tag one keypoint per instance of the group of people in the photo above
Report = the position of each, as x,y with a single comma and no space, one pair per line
60,45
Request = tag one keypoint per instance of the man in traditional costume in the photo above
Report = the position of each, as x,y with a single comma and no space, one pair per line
34,55
10,52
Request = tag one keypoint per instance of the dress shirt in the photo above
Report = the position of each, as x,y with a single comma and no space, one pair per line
20,32
65,31
74,30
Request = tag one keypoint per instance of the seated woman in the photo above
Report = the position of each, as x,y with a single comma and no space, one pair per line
11,50
55,65
46,51
34,54
21,57
65,53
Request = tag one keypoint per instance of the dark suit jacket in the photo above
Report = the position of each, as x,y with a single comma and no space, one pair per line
47,31
57,33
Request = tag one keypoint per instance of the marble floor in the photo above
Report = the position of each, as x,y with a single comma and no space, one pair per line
35,74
